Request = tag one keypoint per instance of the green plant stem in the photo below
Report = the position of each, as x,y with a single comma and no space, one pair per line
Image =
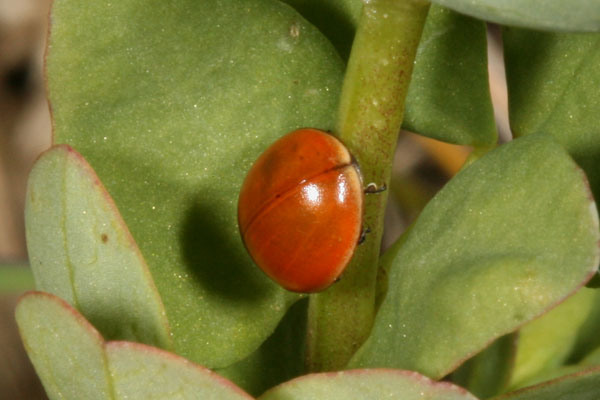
370,116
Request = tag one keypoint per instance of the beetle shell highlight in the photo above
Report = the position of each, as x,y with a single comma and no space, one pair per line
300,210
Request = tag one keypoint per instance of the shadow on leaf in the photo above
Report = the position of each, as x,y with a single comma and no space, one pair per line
217,261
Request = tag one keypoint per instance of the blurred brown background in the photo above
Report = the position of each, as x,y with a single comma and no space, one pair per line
24,133
422,166
24,117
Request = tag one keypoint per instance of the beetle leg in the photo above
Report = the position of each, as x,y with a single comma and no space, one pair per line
363,235
373,188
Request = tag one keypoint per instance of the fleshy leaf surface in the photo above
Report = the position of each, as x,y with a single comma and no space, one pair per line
143,372
509,237
584,385
546,343
555,15
171,103
74,362
488,373
64,348
552,83
552,80
280,358
588,340
337,19
80,250
449,95
366,384
592,360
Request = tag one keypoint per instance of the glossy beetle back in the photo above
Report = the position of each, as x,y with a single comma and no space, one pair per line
300,210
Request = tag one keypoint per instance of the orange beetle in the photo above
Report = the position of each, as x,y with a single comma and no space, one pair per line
300,210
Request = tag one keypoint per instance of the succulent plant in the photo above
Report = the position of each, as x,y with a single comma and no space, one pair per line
144,288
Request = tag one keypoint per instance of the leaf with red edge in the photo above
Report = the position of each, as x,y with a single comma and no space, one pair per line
171,103
510,237
488,373
366,384
584,385
143,372
81,250
65,349
548,343
74,362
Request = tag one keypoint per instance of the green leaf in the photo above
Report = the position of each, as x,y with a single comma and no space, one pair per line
556,15
366,384
337,19
489,372
64,348
144,372
592,360
583,385
588,340
509,237
280,358
171,103
74,362
449,97
552,85
80,250
546,343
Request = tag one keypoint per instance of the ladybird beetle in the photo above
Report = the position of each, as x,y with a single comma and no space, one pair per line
300,210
